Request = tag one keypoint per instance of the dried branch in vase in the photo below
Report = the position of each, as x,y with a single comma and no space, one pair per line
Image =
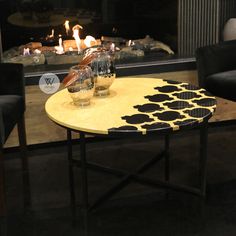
69,79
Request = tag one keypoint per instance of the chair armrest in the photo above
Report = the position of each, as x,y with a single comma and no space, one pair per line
214,59
12,79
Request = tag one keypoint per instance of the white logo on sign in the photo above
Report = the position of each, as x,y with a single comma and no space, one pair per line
49,83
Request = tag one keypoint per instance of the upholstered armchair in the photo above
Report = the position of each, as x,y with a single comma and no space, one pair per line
12,108
216,66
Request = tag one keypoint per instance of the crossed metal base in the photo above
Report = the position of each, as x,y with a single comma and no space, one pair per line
127,177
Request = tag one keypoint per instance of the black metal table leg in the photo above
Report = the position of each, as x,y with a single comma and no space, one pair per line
137,174
84,178
71,176
202,164
167,158
25,164
167,162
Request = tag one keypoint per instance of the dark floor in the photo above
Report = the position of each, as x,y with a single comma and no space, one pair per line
136,210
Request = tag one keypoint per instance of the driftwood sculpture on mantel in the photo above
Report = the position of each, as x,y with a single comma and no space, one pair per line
149,43
145,44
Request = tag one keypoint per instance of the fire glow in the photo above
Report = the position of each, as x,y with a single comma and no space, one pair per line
67,26
76,36
89,40
71,42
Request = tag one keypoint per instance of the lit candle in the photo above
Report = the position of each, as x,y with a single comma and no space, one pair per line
76,29
59,49
26,52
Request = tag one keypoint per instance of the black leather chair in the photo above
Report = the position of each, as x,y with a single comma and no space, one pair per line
216,66
12,108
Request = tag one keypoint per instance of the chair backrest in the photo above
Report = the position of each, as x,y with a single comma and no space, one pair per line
12,79
11,83
215,58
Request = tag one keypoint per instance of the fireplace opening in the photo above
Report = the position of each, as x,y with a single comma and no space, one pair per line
43,34
34,32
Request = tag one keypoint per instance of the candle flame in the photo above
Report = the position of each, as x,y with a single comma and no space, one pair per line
67,26
76,29
77,38
52,34
112,47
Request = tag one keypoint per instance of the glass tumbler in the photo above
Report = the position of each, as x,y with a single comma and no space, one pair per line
104,72
80,84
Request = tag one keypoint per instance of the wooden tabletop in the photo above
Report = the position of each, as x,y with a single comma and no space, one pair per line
135,105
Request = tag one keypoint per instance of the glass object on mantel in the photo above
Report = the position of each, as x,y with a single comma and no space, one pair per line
102,64
80,84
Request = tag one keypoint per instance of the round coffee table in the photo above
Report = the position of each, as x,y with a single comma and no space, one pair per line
136,107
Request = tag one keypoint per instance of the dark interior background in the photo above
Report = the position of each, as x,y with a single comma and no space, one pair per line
130,19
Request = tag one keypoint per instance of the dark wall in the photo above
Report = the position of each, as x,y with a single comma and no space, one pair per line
138,18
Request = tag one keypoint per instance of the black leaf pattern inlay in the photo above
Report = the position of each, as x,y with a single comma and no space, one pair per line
137,119
198,112
172,81
186,95
190,87
185,122
206,102
156,126
169,115
167,89
158,98
124,128
178,105
206,93
175,105
149,107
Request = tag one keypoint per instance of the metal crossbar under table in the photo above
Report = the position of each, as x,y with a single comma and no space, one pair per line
127,177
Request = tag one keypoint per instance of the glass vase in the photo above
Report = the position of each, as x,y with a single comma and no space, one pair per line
104,72
80,84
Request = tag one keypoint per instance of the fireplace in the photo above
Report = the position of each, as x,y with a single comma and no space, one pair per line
142,32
